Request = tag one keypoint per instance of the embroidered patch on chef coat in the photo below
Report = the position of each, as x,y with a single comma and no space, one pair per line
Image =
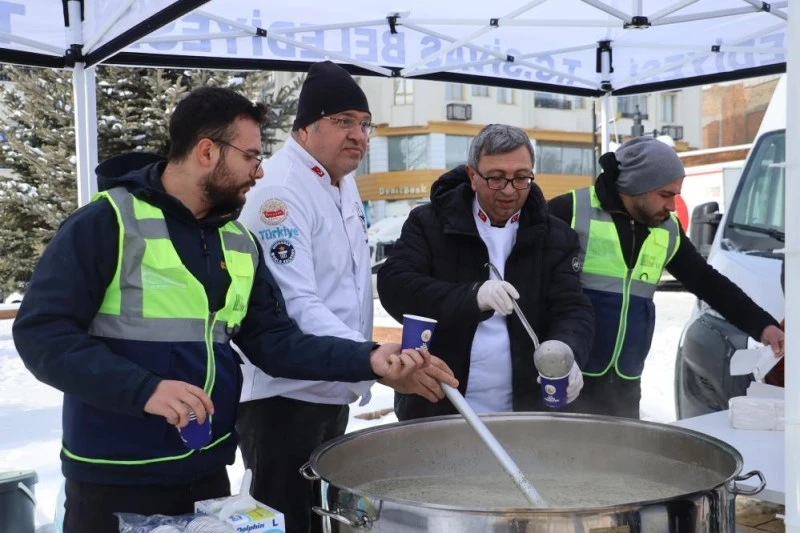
282,251
318,171
274,211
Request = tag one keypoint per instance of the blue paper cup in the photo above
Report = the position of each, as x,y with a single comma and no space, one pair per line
554,391
194,435
417,331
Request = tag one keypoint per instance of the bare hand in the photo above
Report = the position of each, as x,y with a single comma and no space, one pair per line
425,381
774,337
174,400
388,361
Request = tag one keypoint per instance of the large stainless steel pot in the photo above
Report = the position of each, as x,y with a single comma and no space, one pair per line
703,471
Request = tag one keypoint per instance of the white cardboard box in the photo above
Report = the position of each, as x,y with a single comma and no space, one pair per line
262,519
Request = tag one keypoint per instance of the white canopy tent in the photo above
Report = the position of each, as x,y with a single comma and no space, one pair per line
592,48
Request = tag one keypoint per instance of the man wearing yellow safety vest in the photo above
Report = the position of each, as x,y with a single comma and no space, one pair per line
628,236
132,307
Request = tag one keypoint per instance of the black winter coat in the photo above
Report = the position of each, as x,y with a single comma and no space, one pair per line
437,265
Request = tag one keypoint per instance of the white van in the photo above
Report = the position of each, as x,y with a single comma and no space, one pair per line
747,246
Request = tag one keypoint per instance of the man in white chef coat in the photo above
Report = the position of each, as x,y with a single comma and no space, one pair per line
309,217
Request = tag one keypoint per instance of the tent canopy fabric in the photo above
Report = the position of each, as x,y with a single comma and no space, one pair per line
582,47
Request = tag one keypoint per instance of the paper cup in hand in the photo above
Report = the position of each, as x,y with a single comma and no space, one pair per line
417,331
553,360
554,391
194,435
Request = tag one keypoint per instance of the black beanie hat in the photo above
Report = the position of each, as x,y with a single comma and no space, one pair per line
328,89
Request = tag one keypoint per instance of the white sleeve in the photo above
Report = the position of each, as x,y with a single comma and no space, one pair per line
289,254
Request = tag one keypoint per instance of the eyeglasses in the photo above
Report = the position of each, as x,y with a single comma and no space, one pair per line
249,155
498,183
347,123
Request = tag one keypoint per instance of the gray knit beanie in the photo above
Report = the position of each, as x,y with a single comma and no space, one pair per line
646,164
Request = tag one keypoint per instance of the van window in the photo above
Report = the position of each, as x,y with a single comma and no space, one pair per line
757,221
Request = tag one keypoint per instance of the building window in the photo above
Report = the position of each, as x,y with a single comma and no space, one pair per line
552,101
480,90
456,150
505,95
572,159
668,101
626,105
408,152
454,92
403,91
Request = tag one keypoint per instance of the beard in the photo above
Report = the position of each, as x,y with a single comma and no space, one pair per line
222,190
641,212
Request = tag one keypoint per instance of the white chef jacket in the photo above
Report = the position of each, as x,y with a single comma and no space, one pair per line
314,237
489,385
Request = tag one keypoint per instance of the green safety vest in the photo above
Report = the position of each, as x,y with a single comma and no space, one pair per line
154,297
603,270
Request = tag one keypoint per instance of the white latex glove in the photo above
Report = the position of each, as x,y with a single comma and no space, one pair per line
575,383
240,503
496,294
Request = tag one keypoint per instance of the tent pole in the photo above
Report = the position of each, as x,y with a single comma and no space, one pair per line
605,104
792,257
80,98
595,155
84,102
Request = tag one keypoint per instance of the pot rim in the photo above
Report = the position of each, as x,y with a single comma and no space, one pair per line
322,449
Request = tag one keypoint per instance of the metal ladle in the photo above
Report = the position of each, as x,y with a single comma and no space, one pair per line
505,460
529,329
522,318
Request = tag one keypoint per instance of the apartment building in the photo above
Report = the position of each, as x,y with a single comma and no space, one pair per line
425,127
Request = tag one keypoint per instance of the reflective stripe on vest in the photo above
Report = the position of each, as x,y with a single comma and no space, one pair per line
153,296
603,267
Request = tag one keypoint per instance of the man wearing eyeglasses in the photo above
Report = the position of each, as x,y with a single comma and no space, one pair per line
132,308
309,217
489,211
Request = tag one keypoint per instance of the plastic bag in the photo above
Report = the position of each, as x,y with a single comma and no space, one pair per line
187,523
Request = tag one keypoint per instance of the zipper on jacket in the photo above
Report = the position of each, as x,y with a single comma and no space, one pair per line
203,243
632,263
206,254
623,319
626,300
211,370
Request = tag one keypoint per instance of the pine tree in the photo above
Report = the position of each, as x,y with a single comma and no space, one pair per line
133,108
281,104
40,152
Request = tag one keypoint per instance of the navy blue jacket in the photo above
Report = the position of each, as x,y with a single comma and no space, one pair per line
687,266
65,292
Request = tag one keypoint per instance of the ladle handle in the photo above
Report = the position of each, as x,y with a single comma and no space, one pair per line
522,318
494,446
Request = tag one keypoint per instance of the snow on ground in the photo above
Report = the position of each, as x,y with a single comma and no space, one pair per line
30,412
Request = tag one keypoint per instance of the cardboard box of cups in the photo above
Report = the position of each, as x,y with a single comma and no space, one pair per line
242,512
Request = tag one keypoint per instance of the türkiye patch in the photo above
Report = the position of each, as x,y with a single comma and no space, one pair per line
282,251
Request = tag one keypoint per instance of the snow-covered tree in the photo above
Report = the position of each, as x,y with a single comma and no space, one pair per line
133,106
281,103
